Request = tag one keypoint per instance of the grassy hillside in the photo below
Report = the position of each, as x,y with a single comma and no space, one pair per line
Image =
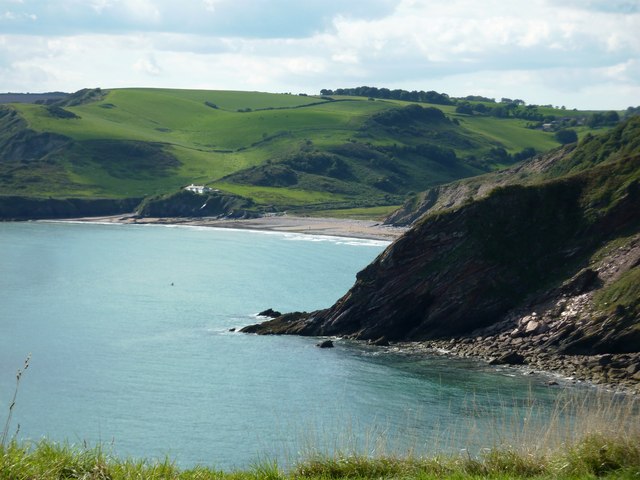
622,140
280,150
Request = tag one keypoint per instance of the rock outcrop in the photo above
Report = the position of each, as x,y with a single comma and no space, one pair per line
189,204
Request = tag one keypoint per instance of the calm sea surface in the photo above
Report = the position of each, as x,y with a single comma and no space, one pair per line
128,327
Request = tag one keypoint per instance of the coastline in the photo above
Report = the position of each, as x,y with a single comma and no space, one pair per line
335,227
594,370
560,370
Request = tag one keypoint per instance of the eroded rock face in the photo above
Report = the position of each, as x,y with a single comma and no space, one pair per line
569,333
453,195
522,270
456,272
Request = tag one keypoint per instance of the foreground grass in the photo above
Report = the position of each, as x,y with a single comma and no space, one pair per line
585,437
595,456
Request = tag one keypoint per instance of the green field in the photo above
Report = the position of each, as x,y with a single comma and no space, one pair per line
278,149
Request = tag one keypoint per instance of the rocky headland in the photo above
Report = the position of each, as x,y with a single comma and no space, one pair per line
541,269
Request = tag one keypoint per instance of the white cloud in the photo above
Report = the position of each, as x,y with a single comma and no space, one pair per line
99,6
13,16
527,48
345,57
144,11
210,5
147,65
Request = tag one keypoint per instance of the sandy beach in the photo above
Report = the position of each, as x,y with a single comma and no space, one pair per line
367,229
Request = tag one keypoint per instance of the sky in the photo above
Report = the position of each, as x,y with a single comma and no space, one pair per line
581,54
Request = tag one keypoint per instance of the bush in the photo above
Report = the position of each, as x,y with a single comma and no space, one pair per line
566,136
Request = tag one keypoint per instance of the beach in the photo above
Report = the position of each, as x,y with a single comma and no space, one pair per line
338,227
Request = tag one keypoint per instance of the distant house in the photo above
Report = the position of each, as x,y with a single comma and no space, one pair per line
199,189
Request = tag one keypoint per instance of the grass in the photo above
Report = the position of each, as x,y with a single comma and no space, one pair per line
181,118
586,436
512,133
594,456
7,423
364,213
208,143
279,196
623,293
213,135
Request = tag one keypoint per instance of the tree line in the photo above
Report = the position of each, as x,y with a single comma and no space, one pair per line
480,105
397,94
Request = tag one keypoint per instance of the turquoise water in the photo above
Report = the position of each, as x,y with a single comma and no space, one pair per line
128,327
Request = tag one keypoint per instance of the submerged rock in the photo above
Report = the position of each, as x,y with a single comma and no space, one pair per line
270,313
325,344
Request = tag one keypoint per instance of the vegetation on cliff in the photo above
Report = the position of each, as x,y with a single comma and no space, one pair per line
622,141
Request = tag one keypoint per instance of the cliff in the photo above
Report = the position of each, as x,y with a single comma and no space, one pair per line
564,249
622,141
14,207
188,204
453,195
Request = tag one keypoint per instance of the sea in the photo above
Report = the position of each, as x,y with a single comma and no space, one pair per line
129,335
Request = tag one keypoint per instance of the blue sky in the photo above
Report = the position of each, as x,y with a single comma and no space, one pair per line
577,53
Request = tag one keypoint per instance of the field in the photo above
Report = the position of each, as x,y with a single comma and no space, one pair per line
280,150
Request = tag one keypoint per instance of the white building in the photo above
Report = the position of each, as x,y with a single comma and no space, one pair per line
200,189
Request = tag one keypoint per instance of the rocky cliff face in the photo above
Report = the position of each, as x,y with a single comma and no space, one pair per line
552,265
14,207
188,204
453,195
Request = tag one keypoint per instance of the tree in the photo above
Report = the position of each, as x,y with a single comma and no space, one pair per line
499,112
465,108
611,117
566,136
631,111
608,118
527,152
481,108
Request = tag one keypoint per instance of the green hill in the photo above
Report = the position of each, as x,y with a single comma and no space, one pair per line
281,151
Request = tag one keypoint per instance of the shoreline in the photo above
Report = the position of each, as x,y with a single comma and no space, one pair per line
558,369
334,227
